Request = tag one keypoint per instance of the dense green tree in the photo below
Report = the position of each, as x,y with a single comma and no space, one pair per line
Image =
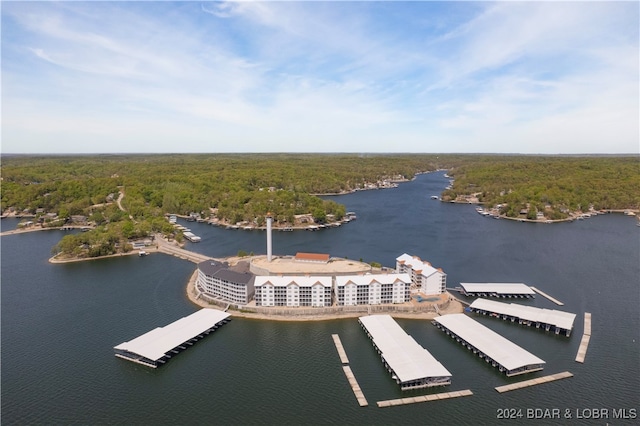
245,187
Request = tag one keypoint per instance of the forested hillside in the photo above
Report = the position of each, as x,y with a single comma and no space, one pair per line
242,188
556,186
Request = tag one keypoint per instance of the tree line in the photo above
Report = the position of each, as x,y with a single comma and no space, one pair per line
244,187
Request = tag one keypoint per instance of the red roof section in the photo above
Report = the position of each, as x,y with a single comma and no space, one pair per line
316,257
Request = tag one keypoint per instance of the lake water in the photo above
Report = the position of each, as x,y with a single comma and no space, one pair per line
60,323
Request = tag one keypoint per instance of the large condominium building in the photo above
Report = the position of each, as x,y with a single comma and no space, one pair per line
229,284
372,289
314,291
426,278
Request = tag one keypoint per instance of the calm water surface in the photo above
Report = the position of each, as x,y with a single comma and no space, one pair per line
60,323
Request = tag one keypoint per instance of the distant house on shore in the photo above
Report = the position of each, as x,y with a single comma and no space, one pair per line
78,218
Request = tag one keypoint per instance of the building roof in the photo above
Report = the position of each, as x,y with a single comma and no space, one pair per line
312,257
423,268
342,280
500,349
287,265
408,360
223,271
156,343
498,288
302,281
554,317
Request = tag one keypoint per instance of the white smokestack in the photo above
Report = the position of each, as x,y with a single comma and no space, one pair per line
269,220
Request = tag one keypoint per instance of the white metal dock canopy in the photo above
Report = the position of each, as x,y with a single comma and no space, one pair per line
497,288
402,353
553,317
501,350
157,342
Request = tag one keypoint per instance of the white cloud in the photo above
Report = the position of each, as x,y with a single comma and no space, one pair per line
321,76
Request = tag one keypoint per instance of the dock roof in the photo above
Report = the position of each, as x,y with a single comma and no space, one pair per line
554,317
408,360
500,349
156,343
498,288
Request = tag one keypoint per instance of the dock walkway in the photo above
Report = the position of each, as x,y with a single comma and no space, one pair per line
168,248
340,348
351,378
424,398
586,337
533,382
542,293
355,386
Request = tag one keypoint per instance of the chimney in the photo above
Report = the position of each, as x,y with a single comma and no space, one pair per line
269,220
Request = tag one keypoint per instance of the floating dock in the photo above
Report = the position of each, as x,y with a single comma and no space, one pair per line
587,323
355,386
504,290
542,293
340,348
546,319
424,398
159,345
410,365
508,357
191,237
351,378
533,382
586,337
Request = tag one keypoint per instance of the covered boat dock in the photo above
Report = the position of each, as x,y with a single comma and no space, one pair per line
508,357
158,345
547,319
410,365
504,290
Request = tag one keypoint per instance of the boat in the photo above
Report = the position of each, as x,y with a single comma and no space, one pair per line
434,197
142,253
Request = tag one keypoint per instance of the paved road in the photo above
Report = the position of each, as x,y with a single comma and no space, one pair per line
167,247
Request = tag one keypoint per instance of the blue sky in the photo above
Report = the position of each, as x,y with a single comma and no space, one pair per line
506,77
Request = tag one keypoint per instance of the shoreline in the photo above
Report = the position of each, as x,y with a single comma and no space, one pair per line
148,250
454,307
